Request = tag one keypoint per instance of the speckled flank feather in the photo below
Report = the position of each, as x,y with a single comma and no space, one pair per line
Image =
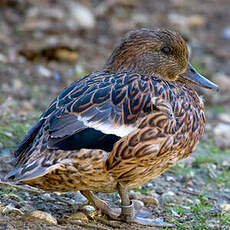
162,123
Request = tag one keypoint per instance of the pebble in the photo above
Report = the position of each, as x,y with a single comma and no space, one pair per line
170,179
88,208
226,32
159,190
81,16
222,130
150,200
197,201
138,204
222,80
11,208
187,21
175,213
44,72
40,215
168,196
149,186
225,207
189,201
80,198
78,216
2,207
186,178
46,196
189,184
135,195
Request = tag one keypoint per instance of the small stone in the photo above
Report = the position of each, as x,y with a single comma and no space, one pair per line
27,106
2,207
222,130
197,201
150,200
46,196
135,195
226,32
222,80
225,163
186,178
88,208
138,204
159,190
81,16
189,184
175,214
17,84
80,198
168,196
170,179
196,21
187,21
225,117
44,72
11,208
42,216
78,216
189,201
149,186
225,207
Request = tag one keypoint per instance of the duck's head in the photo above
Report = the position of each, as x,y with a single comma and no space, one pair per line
156,52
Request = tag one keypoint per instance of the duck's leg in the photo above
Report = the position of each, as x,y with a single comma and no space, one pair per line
128,214
100,205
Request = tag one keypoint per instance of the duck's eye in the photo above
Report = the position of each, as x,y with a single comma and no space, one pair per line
166,50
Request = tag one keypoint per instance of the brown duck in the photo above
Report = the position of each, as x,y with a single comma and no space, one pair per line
120,127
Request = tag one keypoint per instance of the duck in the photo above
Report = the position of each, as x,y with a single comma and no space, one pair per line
119,127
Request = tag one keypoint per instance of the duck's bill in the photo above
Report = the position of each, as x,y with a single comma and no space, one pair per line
192,76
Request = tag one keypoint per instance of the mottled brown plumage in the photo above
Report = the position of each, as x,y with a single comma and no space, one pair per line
120,127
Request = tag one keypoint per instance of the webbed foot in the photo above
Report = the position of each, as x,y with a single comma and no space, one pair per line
128,215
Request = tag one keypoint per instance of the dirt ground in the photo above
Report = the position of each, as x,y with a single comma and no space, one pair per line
47,44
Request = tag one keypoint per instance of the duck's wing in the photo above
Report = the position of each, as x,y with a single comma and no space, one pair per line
92,113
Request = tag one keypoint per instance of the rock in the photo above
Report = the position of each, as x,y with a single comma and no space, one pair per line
174,213
81,16
222,130
189,184
159,190
186,178
11,208
226,33
2,207
225,117
189,201
168,196
225,207
185,22
149,186
80,198
138,204
78,216
222,80
46,196
150,200
44,72
170,179
38,215
88,208
197,201
135,195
